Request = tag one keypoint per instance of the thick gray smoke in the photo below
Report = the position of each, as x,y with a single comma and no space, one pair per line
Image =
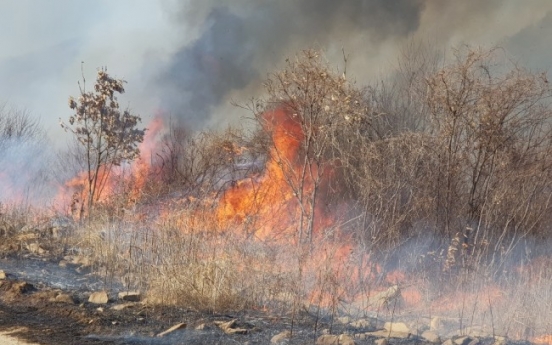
238,43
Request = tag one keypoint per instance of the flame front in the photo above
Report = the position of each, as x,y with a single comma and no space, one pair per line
270,198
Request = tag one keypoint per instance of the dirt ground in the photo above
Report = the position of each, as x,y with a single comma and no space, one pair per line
31,313
44,303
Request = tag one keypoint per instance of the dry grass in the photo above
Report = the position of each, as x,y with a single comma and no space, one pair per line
449,208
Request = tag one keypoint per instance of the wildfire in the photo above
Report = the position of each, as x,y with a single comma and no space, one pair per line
273,198
267,206
127,179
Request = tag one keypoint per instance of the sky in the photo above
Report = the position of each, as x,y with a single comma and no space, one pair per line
191,58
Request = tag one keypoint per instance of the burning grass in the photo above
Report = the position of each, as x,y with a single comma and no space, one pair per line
325,209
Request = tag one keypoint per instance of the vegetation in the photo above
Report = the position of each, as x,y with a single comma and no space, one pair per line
437,180
108,136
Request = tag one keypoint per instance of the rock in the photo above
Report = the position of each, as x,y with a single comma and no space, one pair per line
344,320
200,327
418,327
448,342
172,329
345,339
435,324
230,327
2,275
130,296
396,327
363,323
64,298
382,341
500,340
360,336
119,307
431,336
327,339
281,338
99,297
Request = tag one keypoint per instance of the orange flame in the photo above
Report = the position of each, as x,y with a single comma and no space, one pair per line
270,197
544,339
115,181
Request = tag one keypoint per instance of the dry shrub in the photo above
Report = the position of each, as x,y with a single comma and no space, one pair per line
444,205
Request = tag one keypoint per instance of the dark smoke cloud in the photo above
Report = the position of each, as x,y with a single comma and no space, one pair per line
238,43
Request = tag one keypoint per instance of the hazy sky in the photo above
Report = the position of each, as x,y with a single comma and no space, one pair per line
190,58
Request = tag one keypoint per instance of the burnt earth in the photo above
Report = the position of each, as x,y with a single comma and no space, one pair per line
36,309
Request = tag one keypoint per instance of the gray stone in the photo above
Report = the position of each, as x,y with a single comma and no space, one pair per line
500,340
99,297
363,323
281,338
397,327
431,336
172,329
435,324
382,341
345,339
329,339
344,320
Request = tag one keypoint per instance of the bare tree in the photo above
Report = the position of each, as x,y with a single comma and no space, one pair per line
310,112
109,136
492,120
18,124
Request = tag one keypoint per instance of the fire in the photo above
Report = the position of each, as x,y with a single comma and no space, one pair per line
268,195
271,197
141,169
127,179
544,339
266,206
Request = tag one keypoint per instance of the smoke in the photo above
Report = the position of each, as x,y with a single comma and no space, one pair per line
237,43
24,176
